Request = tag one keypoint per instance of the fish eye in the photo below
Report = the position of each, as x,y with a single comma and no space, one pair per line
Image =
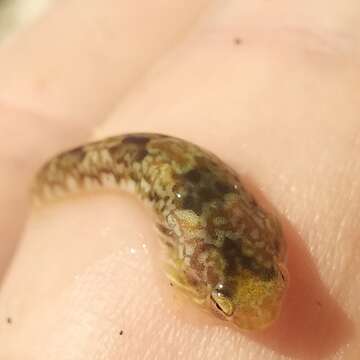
222,303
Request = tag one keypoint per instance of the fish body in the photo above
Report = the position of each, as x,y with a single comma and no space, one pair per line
222,249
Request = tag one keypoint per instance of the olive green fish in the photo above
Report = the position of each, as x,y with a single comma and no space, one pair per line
222,250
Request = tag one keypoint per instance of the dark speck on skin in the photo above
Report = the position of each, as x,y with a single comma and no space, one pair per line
9,320
238,41
121,332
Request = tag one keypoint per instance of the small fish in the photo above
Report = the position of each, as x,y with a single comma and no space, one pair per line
222,249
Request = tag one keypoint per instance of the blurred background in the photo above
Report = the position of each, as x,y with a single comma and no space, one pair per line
15,14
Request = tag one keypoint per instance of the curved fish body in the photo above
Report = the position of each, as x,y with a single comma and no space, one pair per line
223,250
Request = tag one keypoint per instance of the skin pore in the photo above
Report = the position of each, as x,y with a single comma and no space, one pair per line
280,106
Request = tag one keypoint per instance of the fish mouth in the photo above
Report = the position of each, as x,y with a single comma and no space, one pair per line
260,313
250,318
256,319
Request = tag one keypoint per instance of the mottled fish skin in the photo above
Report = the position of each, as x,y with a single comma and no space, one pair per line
223,250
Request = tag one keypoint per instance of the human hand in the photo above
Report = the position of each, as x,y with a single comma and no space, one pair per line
266,98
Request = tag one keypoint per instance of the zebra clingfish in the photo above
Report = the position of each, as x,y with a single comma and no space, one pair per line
222,249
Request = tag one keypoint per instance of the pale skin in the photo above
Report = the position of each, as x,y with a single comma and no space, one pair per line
272,88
